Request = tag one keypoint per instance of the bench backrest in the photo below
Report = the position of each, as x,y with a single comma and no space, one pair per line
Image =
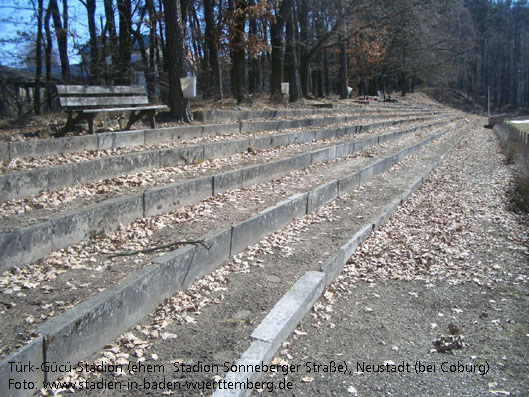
86,97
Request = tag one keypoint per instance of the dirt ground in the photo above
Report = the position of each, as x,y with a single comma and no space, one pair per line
234,300
212,322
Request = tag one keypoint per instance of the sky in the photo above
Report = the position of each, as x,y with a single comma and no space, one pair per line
19,15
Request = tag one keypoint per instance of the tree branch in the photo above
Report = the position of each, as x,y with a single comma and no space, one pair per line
158,248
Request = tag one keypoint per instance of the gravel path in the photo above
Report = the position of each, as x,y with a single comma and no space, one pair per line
453,254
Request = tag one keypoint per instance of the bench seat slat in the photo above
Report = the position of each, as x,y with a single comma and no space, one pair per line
123,109
70,102
100,90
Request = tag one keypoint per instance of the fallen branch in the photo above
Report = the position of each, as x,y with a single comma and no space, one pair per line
158,248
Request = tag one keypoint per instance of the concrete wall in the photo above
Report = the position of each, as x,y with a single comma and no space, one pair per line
30,354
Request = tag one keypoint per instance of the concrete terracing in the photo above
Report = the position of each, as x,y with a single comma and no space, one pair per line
26,244
84,329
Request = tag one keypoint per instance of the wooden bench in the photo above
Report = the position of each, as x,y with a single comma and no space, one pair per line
83,102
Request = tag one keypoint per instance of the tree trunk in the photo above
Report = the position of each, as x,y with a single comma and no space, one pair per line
326,77
125,44
254,83
314,82
38,50
111,29
196,36
175,53
404,83
160,58
239,75
315,50
62,41
321,89
103,67
343,57
304,38
94,50
184,4
238,72
63,53
49,47
143,51
151,70
276,39
291,60
343,70
215,82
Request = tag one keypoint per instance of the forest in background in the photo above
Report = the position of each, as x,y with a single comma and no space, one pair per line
239,48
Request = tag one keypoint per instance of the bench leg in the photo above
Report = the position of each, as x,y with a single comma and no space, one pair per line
89,117
136,116
72,121
132,119
150,115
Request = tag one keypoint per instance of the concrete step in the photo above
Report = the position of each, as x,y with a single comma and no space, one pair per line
327,109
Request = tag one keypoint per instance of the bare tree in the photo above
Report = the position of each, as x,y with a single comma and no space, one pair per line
291,60
343,54
38,69
110,28
277,43
237,17
215,83
125,41
175,54
61,33
95,61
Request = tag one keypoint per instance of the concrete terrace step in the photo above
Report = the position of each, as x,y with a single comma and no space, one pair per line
122,139
83,329
29,182
238,115
29,243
